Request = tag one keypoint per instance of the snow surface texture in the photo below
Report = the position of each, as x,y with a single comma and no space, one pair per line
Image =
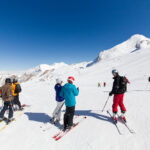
97,131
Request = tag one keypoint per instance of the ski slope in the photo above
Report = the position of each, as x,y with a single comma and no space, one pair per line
97,131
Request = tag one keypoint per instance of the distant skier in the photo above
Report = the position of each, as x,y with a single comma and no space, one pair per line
119,88
16,89
149,79
99,85
104,84
60,102
69,91
7,97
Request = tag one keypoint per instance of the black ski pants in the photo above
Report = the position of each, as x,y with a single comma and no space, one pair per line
7,105
16,101
68,116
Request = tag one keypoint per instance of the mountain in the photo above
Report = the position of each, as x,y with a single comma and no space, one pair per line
133,44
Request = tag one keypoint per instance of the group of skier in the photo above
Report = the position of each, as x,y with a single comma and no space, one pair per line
66,95
10,98
99,84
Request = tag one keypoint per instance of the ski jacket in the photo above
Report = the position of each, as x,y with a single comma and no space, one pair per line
117,89
14,89
69,91
58,89
6,92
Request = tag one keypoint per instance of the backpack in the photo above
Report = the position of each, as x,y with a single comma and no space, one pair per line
123,83
18,88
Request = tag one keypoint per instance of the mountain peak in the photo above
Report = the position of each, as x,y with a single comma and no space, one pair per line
134,43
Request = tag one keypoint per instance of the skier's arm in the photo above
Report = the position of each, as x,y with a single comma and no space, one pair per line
115,86
75,91
61,93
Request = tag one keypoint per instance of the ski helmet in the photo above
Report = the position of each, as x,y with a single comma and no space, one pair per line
71,79
8,80
58,80
114,71
15,80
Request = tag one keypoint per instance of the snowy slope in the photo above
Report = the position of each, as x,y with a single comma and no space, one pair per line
97,131
133,44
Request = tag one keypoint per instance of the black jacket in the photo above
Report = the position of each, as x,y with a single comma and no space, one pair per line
117,88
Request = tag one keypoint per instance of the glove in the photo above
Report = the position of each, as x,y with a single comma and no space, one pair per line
110,94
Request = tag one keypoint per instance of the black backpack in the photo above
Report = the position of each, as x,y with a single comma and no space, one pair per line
18,88
123,83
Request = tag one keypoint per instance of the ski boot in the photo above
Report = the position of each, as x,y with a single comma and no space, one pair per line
56,121
3,119
10,120
123,117
52,120
115,117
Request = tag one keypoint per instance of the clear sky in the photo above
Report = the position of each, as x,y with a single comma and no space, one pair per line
34,32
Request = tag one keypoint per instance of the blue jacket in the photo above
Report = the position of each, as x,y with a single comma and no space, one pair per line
58,89
69,91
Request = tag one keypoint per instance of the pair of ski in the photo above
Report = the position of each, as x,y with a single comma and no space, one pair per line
125,123
9,122
62,132
6,120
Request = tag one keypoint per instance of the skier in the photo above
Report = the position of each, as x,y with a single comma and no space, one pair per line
104,84
119,88
60,102
99,85
69,91
16,89
7,97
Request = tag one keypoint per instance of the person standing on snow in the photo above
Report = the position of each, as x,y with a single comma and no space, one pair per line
16,89
60,102
69,91
7,97
119,88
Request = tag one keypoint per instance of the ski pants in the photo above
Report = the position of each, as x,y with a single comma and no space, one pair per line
16,101
118,100
7,105
68,116
57,111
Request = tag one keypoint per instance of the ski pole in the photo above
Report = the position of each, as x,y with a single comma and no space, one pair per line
105,104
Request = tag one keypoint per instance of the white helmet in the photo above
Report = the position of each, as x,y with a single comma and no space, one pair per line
58,80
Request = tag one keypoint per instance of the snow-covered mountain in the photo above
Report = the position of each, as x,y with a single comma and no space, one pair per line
45,72
133,44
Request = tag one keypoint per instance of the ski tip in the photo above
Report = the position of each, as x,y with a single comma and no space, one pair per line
56,139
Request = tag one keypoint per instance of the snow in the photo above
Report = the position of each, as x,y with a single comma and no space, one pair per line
97,131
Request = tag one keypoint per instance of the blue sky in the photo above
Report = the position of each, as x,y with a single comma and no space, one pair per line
34,32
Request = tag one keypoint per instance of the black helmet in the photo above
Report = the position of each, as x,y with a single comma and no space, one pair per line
8,80
15,80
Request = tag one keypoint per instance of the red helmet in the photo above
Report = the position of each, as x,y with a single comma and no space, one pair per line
71,79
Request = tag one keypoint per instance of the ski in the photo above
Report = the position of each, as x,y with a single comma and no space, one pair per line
63,133
8,123
125,123
114,123
4,119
